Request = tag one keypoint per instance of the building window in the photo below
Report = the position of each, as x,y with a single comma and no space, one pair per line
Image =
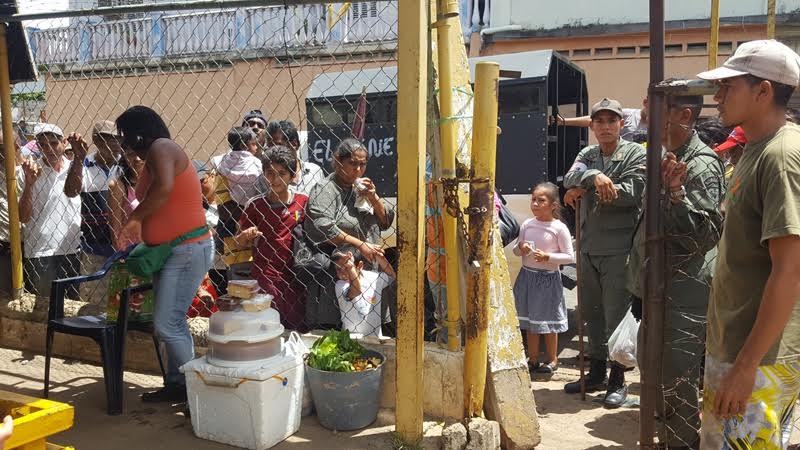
626,51
581,52
697,47
673,48
607,51
725,47
644,50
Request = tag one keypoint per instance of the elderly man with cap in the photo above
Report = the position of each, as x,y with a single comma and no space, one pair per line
752,371
694,185
52,219
89,177
610,177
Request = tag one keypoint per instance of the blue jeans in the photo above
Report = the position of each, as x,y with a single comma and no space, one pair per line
175,286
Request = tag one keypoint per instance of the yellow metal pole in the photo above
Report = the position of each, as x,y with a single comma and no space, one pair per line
771,19
484,151
10,156
412,62
713,42
448,11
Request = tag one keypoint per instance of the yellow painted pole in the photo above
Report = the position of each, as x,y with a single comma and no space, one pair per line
713,42
412,62
771,19
10,156
448,11
484,151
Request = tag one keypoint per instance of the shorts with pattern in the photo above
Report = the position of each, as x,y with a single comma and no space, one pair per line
767,421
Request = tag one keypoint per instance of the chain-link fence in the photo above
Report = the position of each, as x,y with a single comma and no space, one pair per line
297,81
691,225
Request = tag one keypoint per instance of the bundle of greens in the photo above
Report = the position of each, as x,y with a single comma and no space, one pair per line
335,351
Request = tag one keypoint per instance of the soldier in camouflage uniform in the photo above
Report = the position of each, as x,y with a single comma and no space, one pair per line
694,185
610,177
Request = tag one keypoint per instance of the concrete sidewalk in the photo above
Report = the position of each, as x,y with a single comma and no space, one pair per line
153,427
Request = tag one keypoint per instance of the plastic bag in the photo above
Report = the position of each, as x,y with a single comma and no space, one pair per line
623,341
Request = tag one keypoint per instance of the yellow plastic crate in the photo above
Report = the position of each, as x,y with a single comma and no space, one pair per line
35,420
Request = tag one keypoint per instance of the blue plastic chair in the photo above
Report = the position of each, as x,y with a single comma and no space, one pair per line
110,336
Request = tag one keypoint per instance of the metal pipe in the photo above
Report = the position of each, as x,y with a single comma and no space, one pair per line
10,156
448,12
500,29
412,79
153,7
581,357
713,42
653,320
481,202
771,19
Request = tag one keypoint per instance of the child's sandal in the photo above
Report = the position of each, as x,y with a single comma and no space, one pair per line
547,368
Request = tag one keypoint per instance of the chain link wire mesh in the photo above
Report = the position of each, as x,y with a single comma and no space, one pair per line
687,378
300,77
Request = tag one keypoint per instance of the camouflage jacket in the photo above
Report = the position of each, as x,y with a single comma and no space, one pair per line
691,228
606,228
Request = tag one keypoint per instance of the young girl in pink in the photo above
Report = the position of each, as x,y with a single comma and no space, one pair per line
544,244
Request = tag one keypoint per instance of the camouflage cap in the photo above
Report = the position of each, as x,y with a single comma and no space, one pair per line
607,104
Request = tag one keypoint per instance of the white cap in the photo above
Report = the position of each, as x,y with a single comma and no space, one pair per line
767,59
41,128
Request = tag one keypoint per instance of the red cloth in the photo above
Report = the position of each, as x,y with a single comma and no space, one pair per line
199,308
272,257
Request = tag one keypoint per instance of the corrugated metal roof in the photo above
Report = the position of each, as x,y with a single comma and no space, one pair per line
337,84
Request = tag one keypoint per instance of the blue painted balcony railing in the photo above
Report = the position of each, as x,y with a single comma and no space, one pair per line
211,32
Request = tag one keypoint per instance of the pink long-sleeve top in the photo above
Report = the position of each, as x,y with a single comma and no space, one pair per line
552,238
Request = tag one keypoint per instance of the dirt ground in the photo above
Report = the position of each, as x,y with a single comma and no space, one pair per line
566,422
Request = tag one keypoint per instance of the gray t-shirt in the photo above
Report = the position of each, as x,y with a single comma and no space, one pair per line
633,123
332,209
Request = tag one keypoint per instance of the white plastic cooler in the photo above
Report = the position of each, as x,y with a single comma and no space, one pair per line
253,406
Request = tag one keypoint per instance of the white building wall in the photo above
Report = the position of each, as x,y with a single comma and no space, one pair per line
544,15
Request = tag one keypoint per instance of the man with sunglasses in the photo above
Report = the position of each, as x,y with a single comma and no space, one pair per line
256,121
752,370
610,177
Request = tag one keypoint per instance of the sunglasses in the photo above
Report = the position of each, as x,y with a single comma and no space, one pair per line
256,124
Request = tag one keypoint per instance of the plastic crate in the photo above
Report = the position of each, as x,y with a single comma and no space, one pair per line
35,420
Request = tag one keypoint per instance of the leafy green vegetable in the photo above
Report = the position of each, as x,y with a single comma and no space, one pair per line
335,352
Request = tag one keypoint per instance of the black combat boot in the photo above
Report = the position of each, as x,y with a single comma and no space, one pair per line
617,390
595,381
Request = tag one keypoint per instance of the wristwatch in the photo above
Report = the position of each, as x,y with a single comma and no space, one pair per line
679,195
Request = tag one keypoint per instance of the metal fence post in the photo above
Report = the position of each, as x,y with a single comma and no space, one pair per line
447,11
15,233
412,64
653,308
484,152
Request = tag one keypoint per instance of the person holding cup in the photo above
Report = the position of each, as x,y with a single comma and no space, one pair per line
343,209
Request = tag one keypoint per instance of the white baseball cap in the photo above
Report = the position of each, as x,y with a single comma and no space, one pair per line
41,128
767,59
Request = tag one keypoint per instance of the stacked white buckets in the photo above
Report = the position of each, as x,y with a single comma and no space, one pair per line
248,390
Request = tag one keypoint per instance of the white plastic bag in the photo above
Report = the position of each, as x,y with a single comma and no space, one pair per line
294,346
622,343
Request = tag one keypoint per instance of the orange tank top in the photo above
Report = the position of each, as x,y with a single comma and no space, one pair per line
181,213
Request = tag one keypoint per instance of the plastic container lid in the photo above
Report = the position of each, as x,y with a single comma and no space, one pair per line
227,326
